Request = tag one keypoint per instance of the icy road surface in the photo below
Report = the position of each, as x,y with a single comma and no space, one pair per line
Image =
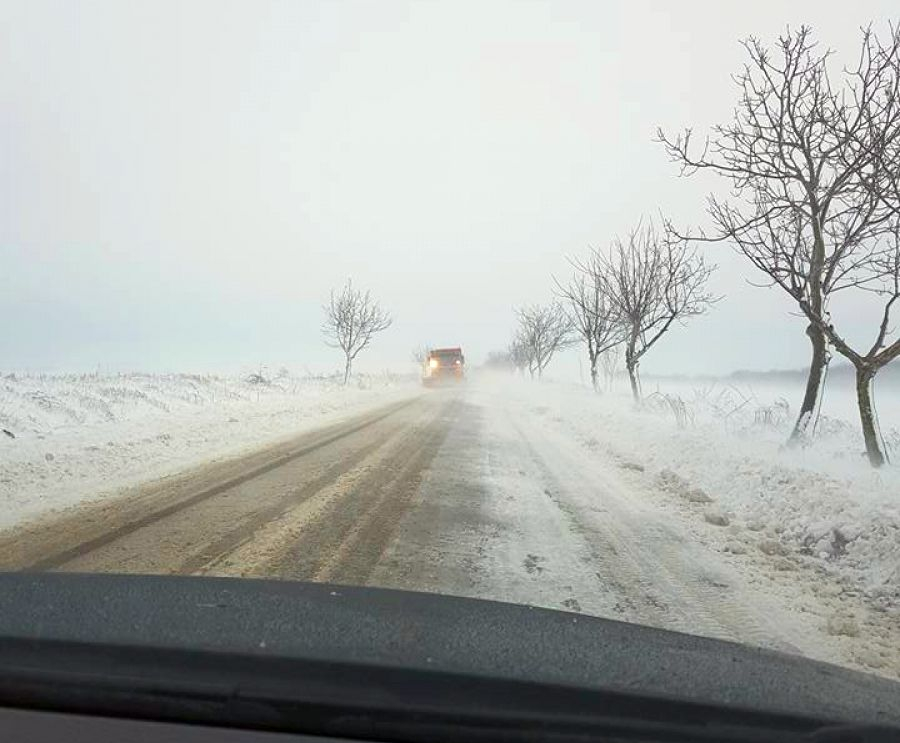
469,492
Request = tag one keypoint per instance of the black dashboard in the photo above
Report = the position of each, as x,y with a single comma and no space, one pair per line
144,658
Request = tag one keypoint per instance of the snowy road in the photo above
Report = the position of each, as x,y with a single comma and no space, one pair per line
467,492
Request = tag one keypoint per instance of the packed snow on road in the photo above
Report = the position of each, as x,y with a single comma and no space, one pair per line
686,513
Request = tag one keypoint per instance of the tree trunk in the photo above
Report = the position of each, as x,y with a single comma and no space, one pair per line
347,370
632,377
631,366
814,383
595,380
864,377
814,333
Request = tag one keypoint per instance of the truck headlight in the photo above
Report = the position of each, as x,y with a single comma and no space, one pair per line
433,363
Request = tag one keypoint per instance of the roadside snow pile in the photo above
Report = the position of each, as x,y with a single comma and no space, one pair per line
725,462
70,437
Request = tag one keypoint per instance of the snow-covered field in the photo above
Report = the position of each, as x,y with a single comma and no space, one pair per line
716,451
73,437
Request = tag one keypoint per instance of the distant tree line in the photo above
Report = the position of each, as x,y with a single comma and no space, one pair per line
623,299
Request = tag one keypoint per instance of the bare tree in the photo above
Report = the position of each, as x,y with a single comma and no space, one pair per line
875,153
593,316
652,280
352,319
609,362
883,350
800,213
543,330
519,355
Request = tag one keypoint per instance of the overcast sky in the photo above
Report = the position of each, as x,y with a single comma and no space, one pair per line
182,182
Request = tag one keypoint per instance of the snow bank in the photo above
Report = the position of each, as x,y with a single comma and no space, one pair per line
73,437
718,453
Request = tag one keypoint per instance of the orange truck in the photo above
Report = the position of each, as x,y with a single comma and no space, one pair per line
444,365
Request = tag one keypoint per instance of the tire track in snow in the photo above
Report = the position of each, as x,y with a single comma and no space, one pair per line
54,542
653,570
